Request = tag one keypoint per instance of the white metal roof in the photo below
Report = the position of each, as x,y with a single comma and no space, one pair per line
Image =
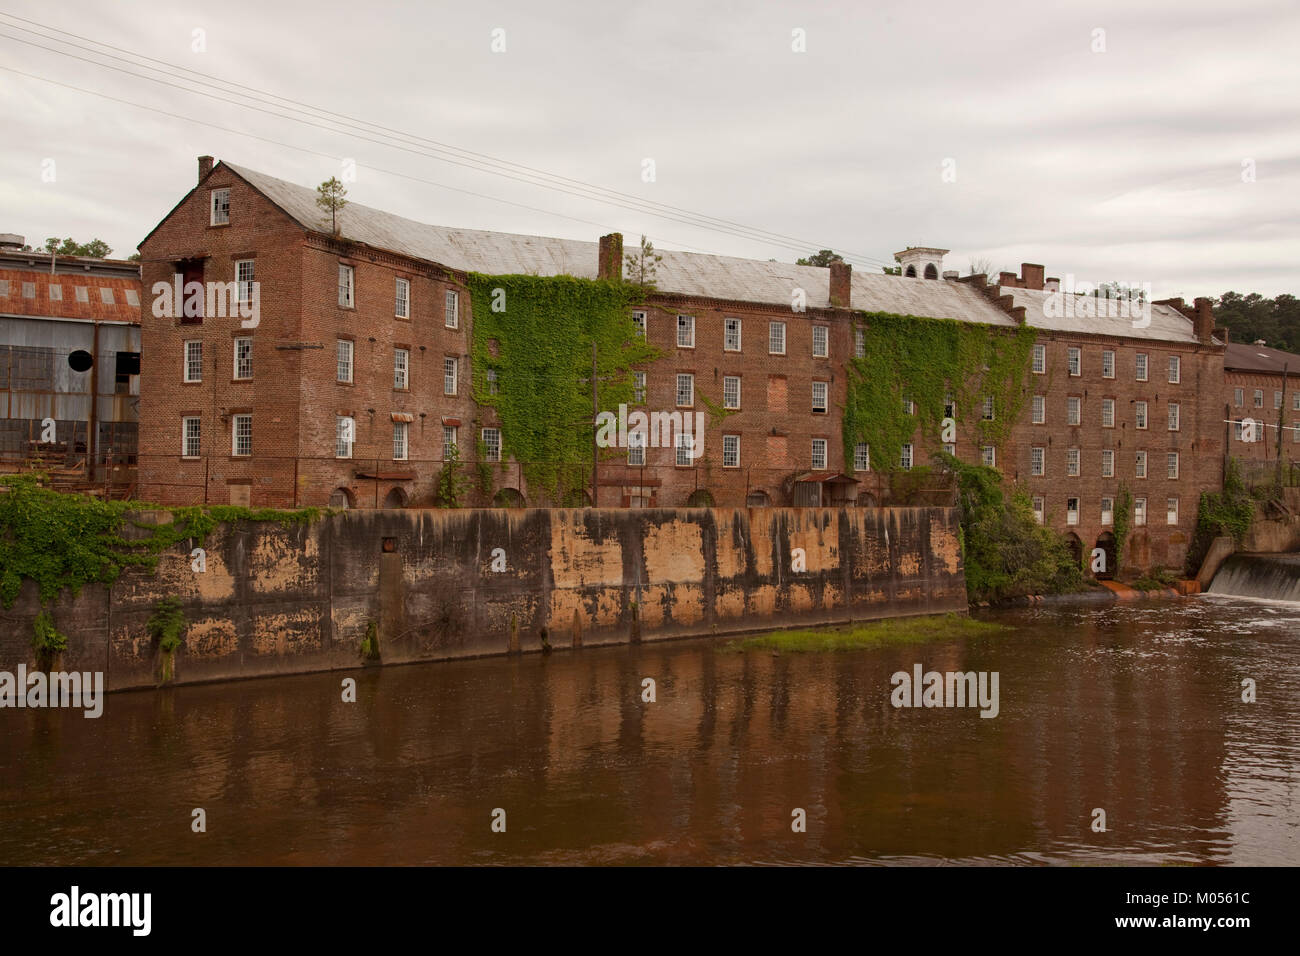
1068,312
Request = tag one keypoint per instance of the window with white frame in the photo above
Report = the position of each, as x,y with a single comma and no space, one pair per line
986,411
402,299
1140,366
1071,510
909,407
989,456
636,447
1107,364
1038,505
1040,359
905,456
1239,397
685,391
638,387
1139,512
1171,511
448,441
1171,464
821,341
731,391
241,435
191,436
220,207
1295,402
1140,464
949,406
1259,398
819,393
1107,463
860,346
451,309
861,457
1073,410
730,451
193,361
450,370
401,368
1140,414
686,331
345,433
1173,416
245,269
1107,511
638,322
1175,369
1072,462
243,358
347,286
1295,432
492,378
400,431
344,365
818,454
1108,413
1237,429
1039,404
1074,358
776,338
731,335
685,450
1037,459
491,444
1277,400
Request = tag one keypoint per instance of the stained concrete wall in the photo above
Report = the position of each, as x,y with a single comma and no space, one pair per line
285,600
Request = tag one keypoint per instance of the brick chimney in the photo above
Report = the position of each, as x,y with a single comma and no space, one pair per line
841,285
1031,275
1203,322
611,256
205,166
1009,279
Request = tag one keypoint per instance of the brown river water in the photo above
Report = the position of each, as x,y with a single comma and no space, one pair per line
1135,710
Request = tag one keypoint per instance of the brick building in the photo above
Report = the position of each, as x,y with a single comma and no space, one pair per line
1261,403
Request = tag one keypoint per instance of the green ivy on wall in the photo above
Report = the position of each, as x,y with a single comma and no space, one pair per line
536,332
925,360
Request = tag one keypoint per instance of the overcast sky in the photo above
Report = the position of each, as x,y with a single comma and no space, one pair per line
993,130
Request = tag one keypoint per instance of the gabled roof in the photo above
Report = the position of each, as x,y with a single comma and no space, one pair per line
1259,358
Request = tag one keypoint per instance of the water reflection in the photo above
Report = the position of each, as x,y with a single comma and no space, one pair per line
1136,710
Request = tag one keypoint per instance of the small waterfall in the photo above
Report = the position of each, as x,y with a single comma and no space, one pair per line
1274,577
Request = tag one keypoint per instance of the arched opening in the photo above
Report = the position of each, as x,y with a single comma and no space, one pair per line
931,272
866,499
508,498
758,499
911,272
1075,545
395,499
1106,542
341,498
700,498
576,498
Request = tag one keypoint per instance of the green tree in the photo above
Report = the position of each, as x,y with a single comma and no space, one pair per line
643,265
331,198
95,249
823,258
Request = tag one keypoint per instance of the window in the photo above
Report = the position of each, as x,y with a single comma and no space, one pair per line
1171,511
1038,508
686,331
191,431
1073,410
1139,512
1140,414
448,441
949,406
220,207
1075,360
193,361
1039,409
241,434
1107,463
346,286
909,407
1173,416
132,297
638,387
1107,511
1071,510
685,450
402,299
401,367
638,322
685,391
1037,457
860,347
1040,359
1107,364
244,272
449,368
82,294
821,347
1259,398
345,432
989,456
731,391
491,444
1175,369
1108,413
56,292
636,447
1277,400
731,335
776,338
399,440
986,412
905,457
1237,429
819,453
105,294
1072,462
819,390
1295,402
861,457
1239,397
451,309
949,448
730,451
1295,432
1140,464
493,383
345,361
243,358
1172,464
1140,361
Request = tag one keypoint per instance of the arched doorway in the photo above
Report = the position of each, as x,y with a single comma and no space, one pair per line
866,499
758,499
341,498
1106,542
1075,545
700,498
508,498
395,499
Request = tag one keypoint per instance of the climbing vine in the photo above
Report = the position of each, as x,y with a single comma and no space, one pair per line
47,641
1226,513
535,334
925,362
1121,520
